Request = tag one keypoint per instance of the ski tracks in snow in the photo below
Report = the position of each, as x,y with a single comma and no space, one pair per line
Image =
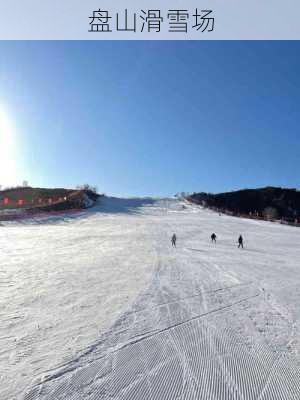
194,334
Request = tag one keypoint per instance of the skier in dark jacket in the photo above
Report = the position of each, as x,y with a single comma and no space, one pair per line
241,242
173,240
213,238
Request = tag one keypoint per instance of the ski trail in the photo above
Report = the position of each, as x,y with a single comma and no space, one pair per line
210,322
184,358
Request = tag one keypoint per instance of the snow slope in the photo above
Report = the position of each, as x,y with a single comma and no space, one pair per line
98,305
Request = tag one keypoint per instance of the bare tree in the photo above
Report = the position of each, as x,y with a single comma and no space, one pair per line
86,186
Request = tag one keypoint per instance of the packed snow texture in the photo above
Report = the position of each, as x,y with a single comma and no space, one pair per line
98,305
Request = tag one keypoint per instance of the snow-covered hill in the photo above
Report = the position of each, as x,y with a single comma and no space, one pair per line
98,305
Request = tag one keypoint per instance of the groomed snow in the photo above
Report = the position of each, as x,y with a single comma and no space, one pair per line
98,305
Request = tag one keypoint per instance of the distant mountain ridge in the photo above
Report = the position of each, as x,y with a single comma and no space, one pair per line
46,199
269,202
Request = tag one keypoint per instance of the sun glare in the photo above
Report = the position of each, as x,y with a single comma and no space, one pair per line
7,150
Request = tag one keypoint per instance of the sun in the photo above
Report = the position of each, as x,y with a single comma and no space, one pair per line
8,174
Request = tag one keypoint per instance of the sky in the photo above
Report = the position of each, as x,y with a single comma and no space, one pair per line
150,118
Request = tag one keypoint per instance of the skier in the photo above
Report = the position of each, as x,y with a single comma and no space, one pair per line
213,238
241,242
173,240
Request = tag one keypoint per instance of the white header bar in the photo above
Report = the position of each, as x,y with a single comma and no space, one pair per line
149,20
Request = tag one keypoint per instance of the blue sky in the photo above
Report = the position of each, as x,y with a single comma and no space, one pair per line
151,118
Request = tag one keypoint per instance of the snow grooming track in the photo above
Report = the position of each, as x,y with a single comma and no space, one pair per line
188,357
214,322
180,340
